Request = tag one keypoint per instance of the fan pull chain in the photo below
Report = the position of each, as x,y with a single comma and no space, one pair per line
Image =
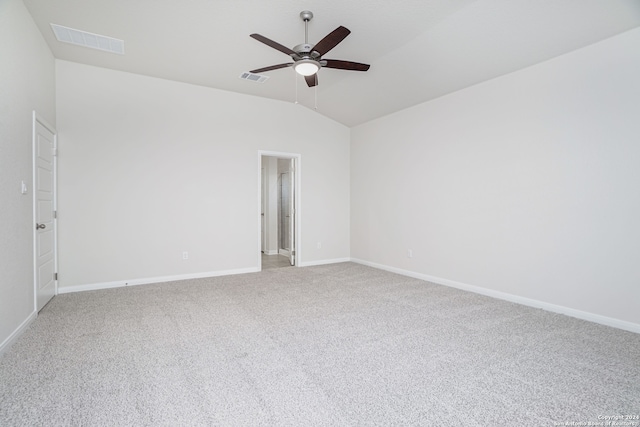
316,96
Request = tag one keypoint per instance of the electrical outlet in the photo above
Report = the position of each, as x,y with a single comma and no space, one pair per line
410,253
319,245
185,255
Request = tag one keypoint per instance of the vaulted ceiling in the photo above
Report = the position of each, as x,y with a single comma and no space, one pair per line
418,49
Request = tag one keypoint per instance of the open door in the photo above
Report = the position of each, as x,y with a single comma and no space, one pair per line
292,212
44,215
263,196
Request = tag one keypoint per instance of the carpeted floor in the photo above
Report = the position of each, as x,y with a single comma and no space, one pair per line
335,345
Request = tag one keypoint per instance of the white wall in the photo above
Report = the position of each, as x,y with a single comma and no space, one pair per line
26,84
527,185
149,168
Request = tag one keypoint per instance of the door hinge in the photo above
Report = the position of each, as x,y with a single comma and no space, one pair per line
55,276
55,214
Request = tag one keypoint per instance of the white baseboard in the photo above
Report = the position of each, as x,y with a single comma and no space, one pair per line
323,262
283,252
271,252
8,342
149,280
584,315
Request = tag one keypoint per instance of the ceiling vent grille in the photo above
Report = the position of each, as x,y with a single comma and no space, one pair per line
258,78
82,38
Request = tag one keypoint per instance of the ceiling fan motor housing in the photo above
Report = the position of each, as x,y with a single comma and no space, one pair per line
305,51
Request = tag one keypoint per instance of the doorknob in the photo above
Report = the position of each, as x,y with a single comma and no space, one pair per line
41,226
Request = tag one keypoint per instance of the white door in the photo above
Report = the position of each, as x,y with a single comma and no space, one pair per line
292,211
44,141
263,196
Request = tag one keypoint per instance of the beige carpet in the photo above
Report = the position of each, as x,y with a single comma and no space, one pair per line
336,345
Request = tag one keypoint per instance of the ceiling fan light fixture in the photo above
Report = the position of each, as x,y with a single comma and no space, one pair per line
307,67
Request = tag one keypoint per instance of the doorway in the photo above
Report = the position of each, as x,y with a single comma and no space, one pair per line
279,213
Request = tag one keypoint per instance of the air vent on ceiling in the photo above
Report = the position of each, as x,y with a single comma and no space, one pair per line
258,78
82,38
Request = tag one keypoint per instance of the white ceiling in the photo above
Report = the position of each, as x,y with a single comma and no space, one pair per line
418,49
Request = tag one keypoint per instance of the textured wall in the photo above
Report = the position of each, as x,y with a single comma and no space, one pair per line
527,184
149,168
27,83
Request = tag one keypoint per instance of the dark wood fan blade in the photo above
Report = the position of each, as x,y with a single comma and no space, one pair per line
272,67
346,65
273,44
312,80
331,40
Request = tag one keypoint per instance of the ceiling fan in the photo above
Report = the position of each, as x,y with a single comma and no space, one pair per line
307,58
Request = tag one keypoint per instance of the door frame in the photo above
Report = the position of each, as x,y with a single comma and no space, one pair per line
39,119
263,190
293,253
297,202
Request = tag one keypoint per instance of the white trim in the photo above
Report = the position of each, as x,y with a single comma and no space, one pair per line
150,280
298,203
324,262
271,253
8,342
264,214
44,123
55,210
34,204
591,317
